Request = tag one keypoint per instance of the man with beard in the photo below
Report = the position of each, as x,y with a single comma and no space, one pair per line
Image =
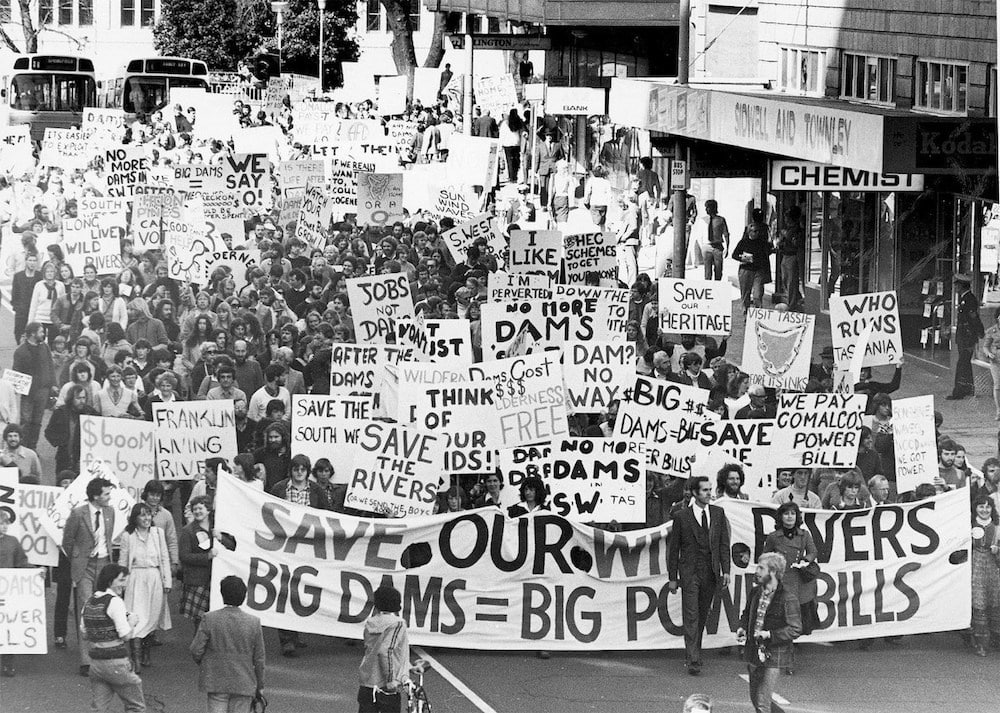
33,357
244,427
15,455
249,375
275,455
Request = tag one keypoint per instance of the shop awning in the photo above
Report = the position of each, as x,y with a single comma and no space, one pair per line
623,13
878,139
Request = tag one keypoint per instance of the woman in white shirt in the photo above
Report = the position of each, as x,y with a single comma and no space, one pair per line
44,297
511,130
561,189
598,196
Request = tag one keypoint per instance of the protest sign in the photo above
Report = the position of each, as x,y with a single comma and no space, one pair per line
376,302
413,377
352,369
192,177
358,138
520,462
187,248
597,373
850,315
472,160
54,518
462,412
456,202
216,119
380,198
328,427
237,262
403,133
538,252
110,120
21,383
248,175
752,443
426,84
9,476
314,217
915,442
693,306
300,173
32,503
659,413
22,610
505,287
529,395
598,480
397,470
147,218
588,253
392,95
819,430
446,342
496,95
16,157
124,445
223,218
125,167
67,148
777,348
188,432
267,140
342,186
459,238
100,247
490,583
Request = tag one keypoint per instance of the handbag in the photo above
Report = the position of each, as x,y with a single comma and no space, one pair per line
259,703
810,571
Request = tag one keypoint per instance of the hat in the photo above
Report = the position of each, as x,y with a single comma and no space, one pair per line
756,390
827,352
388,599
963,277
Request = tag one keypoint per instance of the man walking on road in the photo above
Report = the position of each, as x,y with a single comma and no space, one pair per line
698,560
716,242
33,358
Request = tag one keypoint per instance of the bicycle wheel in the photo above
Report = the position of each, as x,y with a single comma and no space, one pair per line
418,702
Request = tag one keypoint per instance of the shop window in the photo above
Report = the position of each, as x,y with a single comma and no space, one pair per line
65,12
868,78
941,87
44,12
415,15
374,19
85,12
802,70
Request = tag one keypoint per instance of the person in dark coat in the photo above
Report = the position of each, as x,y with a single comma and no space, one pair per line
63,430
229,650
770,623
698,561
34,358
968,331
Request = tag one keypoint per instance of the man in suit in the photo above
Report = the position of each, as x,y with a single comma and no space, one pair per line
229,649
87,544
698,561
968,331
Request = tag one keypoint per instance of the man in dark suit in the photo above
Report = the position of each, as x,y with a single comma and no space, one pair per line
229,648
698,561
968,331
87,543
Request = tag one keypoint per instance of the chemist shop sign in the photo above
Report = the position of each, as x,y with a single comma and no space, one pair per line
809,176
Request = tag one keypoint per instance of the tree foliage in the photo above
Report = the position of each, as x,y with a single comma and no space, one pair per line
213,31
300,41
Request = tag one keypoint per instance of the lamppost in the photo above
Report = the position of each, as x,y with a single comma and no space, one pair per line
278,7
321,6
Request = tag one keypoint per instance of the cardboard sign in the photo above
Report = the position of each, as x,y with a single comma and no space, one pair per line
597,373
189,432
147,218
472,161
915,442
125,168
456,202
414,377
352,369
193,177
403,134
529,395
376,302
237,262
124,445
397,470
459,238
446,342
462,412
314,217
598,480
520,462
54,519
248,175
588,253
392,95
32,503
67,148
693,306
342,184
537,252
777,348
187,247
22,610
110,120
328,427
21,383
753,443
300,173
851,315
223,218
819,430
504,287
100,247
380,198
496,95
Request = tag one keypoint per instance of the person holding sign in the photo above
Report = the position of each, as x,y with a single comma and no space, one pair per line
698,561
12,555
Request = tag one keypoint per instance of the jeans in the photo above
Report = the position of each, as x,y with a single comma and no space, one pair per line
228,703
791,280
32,410
114,677
713,262
762,680
751,287
513,156
696,602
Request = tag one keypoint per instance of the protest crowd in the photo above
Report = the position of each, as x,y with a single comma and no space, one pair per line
271,288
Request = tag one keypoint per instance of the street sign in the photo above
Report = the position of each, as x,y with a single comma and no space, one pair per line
678,175
503,42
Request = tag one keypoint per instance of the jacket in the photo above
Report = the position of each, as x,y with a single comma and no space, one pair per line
783,619
158,540
229,649
798,547
387,652
78,537
687,537
196,562
36,360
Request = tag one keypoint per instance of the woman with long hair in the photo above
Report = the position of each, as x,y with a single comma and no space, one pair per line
111,305
201,332
45,297
985,574
144,552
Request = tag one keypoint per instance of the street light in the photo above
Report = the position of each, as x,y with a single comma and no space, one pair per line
321,6
278,7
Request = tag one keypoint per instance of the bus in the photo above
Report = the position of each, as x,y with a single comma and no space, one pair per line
143,86
44,90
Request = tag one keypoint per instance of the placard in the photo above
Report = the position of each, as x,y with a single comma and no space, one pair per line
376,302
32,503
147,218
392,95
397,470
110,120
752,443
914,441
238,262
819,430
850,315
248,175
189,432
100,247
505,287
328,427
300,173
459,238
597,373
54,519
124,445
777,348
67,148
462,413
125,167
693,306
403,133
380,198
598,480
588,253
21,383
496,95
538,252
314,217
446,342
22,610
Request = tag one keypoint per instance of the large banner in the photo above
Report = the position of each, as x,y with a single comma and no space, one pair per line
777,348
851,315
478,580
189,432
22,611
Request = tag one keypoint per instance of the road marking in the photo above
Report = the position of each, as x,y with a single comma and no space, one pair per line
455,681
910,355
774,696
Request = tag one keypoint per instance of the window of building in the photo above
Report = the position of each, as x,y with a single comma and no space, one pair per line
65,12
868,78
941,87
374,21
128,13
44,12
802,70
85,12
493,25
148,13
415,14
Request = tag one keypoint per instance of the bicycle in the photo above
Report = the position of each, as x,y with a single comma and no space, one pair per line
416,695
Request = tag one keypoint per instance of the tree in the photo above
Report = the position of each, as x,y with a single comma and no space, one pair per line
300,35
31,33
397,15
214,31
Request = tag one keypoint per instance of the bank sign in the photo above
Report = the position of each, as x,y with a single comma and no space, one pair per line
808,176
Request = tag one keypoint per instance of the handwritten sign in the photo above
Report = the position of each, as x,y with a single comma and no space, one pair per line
598,480
380,198
376,302
21,383
447,342
125,167
538,252
820,430
32,503
22,610
777,348
591,254
328,427
597,373
915,442
54,519
124,445
693,306
314,217
462,236
462,412
850,315
189,432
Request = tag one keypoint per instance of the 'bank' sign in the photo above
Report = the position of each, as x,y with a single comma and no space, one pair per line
808,176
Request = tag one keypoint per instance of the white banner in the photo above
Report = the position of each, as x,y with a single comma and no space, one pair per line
22,611
123,445
597,373
777,348
592,252
189,432
915,442
693,306
820,430
851,315
598,480
376,302
328,427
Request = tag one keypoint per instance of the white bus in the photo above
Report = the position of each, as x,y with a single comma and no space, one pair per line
144,85
47,90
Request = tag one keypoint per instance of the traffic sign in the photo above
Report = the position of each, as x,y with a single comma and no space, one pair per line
678,175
